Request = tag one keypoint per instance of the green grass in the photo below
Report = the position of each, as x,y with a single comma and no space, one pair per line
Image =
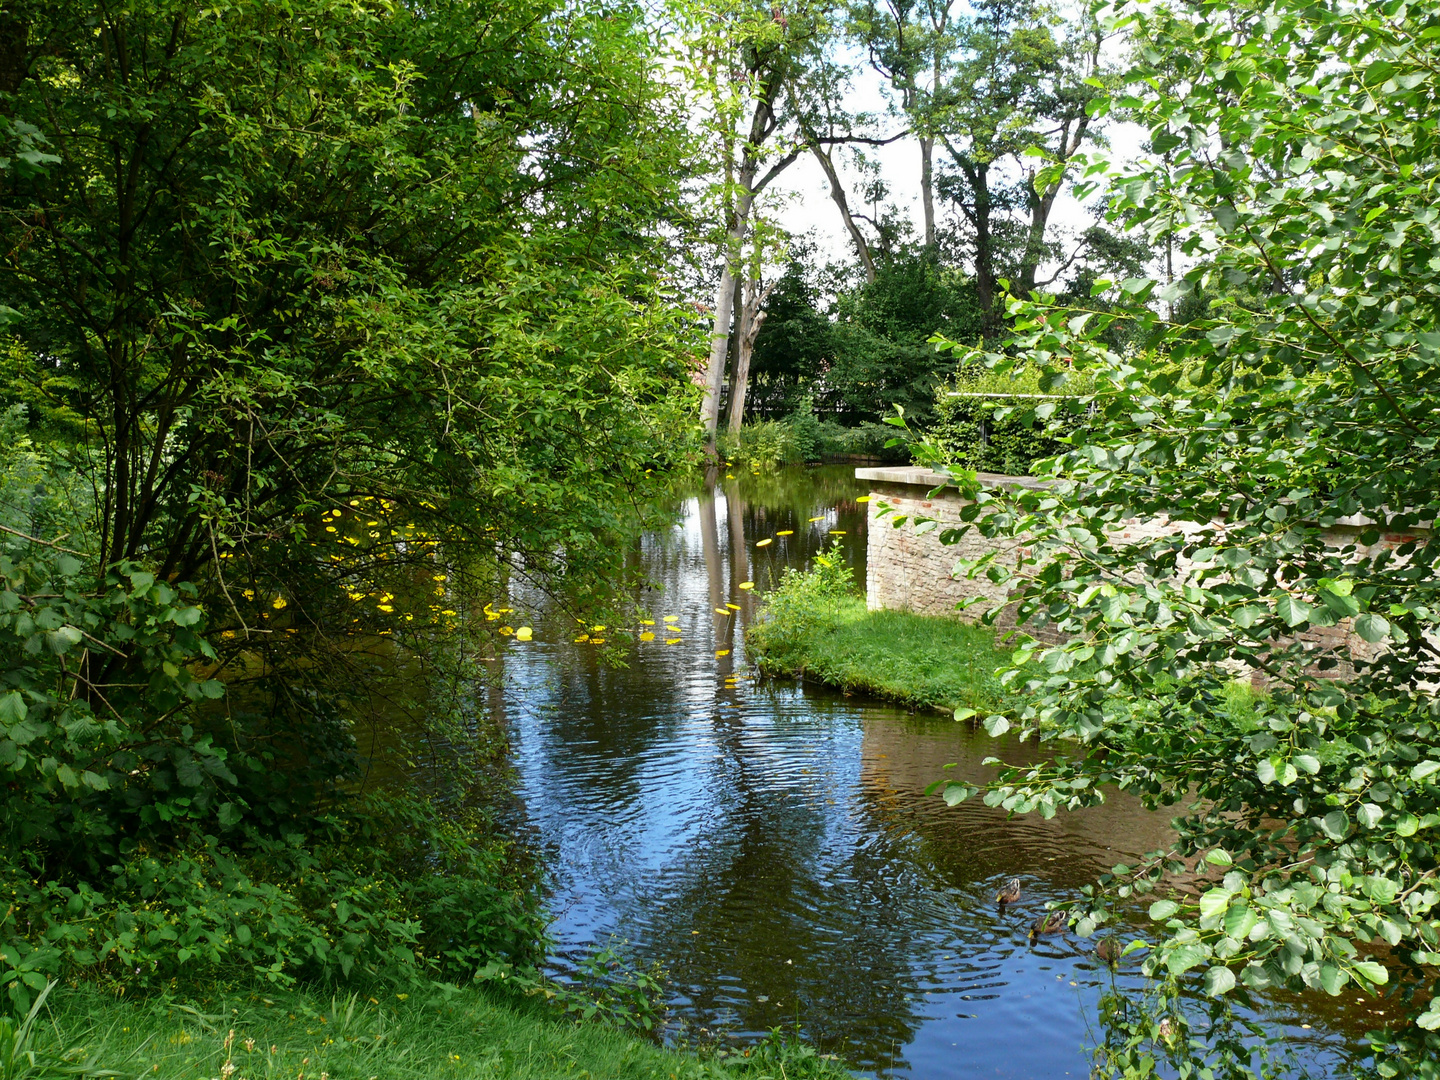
269,1035
815,627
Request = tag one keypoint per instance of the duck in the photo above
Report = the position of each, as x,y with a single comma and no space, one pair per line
1108,950
1009,892
1052,922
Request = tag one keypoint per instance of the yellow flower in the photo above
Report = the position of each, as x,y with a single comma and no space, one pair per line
356,595
733,607
863,498
837,532
817,519
647,622
597,629
249,594
447,611
278,603
523,634
722,652
647,636
786,532
597,641
673,641
385,608
746,585
582,637
505,631
440,577
765,542
672,618
329,528
722,611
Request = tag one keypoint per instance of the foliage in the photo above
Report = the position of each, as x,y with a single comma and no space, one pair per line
815,625
1294,151
989,422
326,318
882,352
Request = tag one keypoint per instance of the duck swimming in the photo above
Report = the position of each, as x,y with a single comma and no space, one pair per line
1009,892
1052,922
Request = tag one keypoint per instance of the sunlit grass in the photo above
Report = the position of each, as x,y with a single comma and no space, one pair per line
920,661
376,1036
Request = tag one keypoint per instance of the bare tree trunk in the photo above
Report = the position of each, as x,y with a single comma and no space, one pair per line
748,330
724,308
837,193
927,189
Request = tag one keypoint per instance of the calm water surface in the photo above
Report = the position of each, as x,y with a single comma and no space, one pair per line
771,847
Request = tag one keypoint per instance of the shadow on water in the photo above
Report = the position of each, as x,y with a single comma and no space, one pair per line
770,846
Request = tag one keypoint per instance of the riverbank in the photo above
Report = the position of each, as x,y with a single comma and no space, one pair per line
472,1034
816,627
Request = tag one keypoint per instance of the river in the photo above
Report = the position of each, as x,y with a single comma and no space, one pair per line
769,845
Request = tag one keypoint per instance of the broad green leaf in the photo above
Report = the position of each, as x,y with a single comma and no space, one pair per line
1185,957
1372,627
1213,902
1161,910
1292,610
1219,980
1371,972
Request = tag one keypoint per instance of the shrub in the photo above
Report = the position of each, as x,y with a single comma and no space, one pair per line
1010,427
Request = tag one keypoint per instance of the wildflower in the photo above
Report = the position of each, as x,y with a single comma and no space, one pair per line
746,585
765,543
523,634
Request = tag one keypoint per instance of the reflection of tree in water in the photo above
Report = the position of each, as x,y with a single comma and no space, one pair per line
761,889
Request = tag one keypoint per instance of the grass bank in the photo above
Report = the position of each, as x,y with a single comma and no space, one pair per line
459,1034
815,626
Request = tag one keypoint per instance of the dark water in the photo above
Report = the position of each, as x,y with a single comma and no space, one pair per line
770,845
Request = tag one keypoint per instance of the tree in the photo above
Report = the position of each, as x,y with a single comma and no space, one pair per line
342,306
1018,86
745,57
1295,157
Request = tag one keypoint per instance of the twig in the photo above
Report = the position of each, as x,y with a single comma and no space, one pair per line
47,543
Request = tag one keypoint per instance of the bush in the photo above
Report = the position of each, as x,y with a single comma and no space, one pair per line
1013,429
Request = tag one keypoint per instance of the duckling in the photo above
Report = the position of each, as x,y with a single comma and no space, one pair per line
1052,922
1108,950
1009,892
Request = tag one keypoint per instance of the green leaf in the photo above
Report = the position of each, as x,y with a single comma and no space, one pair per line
1182,959
1214,902
1426,768
996,725
1372,627
1335,824
1219,980
1218,857
1293,611
964,713
1161,910
1371,972
1369,815
1332,979
12,708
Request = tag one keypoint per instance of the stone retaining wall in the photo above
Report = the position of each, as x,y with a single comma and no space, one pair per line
910,572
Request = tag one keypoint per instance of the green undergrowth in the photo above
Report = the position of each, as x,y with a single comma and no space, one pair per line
816,626
379,1035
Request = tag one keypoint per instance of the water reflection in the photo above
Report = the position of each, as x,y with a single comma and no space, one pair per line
770,845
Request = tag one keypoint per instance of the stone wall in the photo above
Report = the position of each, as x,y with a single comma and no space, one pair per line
910,572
